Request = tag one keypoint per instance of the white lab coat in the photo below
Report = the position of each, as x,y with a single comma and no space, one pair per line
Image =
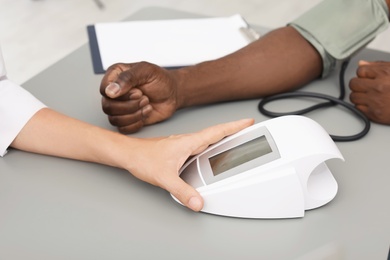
17,106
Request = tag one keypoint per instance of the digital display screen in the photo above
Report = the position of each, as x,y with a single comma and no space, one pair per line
239,155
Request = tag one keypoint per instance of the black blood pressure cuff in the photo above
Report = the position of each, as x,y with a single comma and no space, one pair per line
339,28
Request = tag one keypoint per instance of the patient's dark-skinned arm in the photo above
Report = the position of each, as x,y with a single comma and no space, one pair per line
280,61
144,93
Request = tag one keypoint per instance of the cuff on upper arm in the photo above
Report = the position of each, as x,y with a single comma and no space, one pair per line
339,28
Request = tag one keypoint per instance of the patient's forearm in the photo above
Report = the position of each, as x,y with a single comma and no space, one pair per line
279,61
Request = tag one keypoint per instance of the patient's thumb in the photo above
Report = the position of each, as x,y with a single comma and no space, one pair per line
113,90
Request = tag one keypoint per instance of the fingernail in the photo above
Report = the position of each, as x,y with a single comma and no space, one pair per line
113,89
195,204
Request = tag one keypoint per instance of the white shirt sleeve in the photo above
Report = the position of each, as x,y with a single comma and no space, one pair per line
17,106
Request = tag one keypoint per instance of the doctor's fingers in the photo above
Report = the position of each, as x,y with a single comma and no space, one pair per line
185,193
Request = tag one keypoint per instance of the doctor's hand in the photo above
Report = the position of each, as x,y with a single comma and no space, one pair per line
165,157
371,90
138,94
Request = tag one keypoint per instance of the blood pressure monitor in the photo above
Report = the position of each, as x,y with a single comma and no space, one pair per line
273,169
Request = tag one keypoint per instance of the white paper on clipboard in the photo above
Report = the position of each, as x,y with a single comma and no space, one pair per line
171,43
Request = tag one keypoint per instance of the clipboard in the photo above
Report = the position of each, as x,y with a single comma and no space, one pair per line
169,43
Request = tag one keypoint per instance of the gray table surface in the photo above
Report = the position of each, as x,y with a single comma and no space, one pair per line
52,208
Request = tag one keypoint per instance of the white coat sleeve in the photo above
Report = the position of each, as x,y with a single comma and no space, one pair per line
17,106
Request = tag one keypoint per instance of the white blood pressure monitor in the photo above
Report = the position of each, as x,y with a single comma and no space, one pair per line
273,169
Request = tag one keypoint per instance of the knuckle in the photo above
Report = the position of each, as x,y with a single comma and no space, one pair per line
106,106
125,76
380,87
353,83
114,120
